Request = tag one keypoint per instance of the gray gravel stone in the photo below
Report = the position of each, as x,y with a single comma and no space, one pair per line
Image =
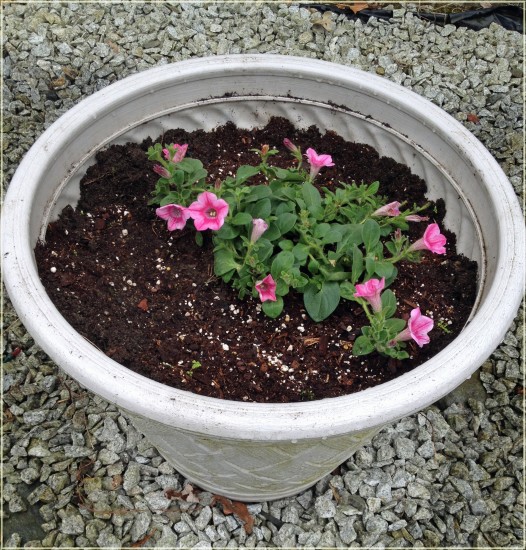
72,522
325,506
132,476
417,490
140,525
376,524
108,540
404,447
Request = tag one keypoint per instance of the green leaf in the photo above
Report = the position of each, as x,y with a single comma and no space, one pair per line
284,261
321,229
273,309
337,275
154,153
199,238
384,269
352,235
286,222
228,275
298,280
388,303
314,266
282,288
334,235
286,244
390,245
260,209
321,303
347,290
258,192
370,234
245,172
227,232
241,218
362,346
285,206
287,175
301,252
177,178
369,265
273,232
263,249
198,175
312,199
357,264
373,188
390,279
189,165
171,198
394,326
224,262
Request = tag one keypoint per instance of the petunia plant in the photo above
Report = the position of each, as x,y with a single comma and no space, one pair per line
288,235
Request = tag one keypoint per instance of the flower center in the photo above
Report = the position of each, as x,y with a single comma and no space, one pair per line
211,213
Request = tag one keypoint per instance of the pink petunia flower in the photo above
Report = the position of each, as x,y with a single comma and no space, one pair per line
178,156
371,290
174,214
391,209
417,328
208,212
432,240
259,227
266,289
161,170
317,162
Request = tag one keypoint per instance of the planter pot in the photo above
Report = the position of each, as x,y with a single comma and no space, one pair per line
250,451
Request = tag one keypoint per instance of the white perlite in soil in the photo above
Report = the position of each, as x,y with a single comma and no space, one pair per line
451,475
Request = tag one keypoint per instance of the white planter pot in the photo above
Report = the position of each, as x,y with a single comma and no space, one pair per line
250,451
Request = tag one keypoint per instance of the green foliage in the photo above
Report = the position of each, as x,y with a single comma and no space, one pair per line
318,242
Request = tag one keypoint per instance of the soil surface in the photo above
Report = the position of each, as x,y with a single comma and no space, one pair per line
148,298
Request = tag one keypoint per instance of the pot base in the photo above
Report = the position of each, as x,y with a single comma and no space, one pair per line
250,471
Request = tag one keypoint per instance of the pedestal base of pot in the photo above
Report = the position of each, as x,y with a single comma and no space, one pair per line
250,471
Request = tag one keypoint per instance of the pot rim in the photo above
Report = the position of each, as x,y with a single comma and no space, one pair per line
260,421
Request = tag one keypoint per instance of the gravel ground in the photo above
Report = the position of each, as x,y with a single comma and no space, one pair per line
449,476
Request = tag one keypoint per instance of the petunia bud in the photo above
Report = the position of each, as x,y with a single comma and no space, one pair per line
259,227
296,151
416,218
161,170
391,209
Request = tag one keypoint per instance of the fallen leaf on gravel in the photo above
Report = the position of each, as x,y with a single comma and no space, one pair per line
237,508
187,494
473,118
326,22
355,7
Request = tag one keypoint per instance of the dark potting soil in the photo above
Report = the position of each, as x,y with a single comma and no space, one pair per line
149,300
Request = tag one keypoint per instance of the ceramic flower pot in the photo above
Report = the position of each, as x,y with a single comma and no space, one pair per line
250,451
